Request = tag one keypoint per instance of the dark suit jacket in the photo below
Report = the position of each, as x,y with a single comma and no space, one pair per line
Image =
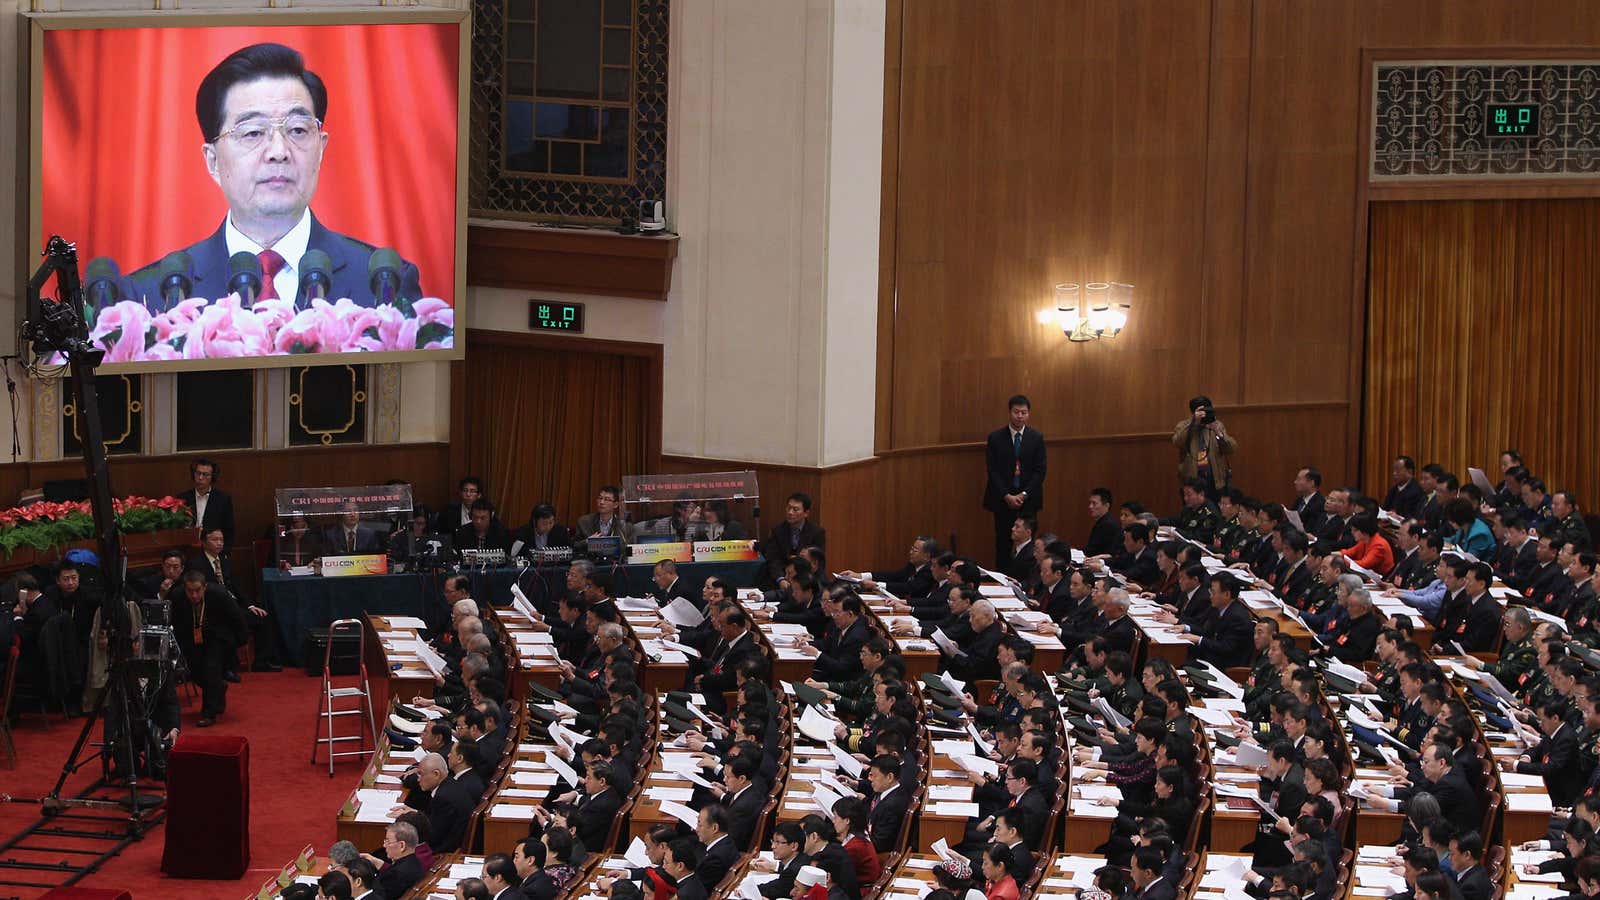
840,868
1474,884
1556,759
783,885
1160,889
539,886
907,583
497,538
559,536
1105,537
447,815
675,590
718,860
885,817
333,538
1311,512
1405,499
841,660
1226,636
224,623
591,819
744,814
219,511
1001,460
209,275
396,878
1354,640
202,564
692,887
980,659
779,545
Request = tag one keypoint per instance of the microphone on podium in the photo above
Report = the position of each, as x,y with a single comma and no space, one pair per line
100,282
383,273
244,276
175,284
316,278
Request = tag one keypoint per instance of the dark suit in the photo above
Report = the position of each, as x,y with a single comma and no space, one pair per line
448,811
1226,636
559,537
1105,537
783,543
1311,512
1354,640
907,583
675,590
692,888
1010,472
840,660
980,658
719,858
337,539
396,878
885,816
222,632
744,813
219,512
208,275
496,538
783,885
1474,884
591,819
539,886
1160,889
1556,760
1405,500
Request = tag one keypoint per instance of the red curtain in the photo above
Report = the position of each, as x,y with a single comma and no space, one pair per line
123,174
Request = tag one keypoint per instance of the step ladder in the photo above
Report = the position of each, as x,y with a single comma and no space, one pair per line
339,703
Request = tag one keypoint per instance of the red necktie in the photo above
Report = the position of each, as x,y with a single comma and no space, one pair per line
272,262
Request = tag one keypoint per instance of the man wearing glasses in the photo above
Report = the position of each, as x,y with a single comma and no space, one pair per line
261,114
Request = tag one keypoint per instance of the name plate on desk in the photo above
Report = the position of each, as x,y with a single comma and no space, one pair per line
677,551
360,564
706,551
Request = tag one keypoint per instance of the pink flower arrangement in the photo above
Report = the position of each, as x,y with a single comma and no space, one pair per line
205,329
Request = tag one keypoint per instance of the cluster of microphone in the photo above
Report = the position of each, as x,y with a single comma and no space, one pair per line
175,278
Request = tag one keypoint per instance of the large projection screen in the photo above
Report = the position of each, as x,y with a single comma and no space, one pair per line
278,187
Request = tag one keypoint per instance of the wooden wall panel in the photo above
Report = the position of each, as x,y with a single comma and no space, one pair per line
250,476
1499,295
1211,154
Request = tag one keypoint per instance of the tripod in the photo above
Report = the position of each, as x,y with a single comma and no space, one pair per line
55,326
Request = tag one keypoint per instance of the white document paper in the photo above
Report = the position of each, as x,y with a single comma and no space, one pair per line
815,725
569,774
680,812
1250,755
848,763
943,642
978,765
682,613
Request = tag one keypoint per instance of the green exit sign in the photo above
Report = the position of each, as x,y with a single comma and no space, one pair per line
1512,119
551,315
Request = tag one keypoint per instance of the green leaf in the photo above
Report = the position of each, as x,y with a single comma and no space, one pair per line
433,331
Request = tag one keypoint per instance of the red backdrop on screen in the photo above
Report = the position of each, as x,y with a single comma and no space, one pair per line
121,160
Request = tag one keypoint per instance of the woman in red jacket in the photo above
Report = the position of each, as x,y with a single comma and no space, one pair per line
1371,550
996,863
850,819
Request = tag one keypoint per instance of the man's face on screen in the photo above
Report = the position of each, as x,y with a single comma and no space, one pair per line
271,184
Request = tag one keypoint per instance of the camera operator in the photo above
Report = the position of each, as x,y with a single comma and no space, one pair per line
1204,447
152,697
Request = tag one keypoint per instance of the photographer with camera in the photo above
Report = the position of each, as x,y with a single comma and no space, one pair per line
1204,447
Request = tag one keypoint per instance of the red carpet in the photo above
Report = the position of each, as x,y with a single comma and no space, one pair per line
292,803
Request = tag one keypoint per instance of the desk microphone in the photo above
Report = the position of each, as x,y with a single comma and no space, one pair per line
316,280
244,276
383,273
100,282
175,284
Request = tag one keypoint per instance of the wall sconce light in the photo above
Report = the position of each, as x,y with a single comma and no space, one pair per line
1092,311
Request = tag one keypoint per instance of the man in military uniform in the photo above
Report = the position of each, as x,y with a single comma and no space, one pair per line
1569,521
1583,608
1228,512
1385,680
1247,535
1517,658
1199,518
1125,690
